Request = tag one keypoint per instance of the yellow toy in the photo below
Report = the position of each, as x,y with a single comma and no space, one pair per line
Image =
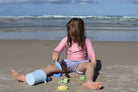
62,88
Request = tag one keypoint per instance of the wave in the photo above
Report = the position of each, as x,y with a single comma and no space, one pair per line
47,16
62,16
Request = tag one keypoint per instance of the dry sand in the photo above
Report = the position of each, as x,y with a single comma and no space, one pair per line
117,65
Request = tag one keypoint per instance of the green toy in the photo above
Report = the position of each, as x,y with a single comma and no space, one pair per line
82,77
65,80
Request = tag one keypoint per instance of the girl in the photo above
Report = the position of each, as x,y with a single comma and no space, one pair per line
78,49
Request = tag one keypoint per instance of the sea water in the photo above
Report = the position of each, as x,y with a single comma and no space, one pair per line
53,27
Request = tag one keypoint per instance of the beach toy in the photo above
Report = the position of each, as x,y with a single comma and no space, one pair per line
57,74
48,79
36,77
65,80
58,65
82,77
62,88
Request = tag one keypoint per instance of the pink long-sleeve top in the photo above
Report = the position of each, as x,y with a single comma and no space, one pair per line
75,52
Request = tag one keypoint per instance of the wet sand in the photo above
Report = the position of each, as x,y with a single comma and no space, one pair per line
117,66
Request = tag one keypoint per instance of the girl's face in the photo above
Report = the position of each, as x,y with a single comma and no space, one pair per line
74,38
75,29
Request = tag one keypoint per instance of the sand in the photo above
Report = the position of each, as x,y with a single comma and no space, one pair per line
117,66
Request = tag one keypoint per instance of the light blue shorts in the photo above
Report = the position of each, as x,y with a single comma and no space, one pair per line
72,65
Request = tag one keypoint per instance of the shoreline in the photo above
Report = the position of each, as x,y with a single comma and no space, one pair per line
93,35
118,68
26,30
63,28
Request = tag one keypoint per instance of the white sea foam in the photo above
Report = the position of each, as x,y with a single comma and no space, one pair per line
27,27
63,16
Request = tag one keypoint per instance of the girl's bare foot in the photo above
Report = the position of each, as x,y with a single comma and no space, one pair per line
92,85
18,76
98,83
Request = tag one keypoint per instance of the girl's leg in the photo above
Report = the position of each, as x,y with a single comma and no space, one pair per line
18,76
88,68
48,70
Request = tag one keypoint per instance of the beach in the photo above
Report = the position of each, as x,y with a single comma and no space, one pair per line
117,65
27,42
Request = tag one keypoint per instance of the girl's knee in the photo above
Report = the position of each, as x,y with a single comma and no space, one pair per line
50,66
91,64
50,69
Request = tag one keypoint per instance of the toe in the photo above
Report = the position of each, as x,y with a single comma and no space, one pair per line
91,85
98,83
99,87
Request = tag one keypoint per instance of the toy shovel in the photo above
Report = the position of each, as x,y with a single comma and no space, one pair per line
58,65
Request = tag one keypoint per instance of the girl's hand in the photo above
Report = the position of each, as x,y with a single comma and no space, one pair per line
55,56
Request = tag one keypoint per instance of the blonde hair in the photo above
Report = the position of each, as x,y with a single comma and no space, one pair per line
76,29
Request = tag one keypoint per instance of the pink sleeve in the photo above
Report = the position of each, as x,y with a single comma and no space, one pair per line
61,45
90,49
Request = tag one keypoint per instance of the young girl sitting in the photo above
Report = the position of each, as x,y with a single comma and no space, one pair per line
78,49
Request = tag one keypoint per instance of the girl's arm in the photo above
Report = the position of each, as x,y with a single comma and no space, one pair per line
91,52
93,59
55,56
59,49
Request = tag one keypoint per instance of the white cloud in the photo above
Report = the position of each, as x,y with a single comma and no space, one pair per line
45,1
114,1
14,1
54,1
33,1
86,1
70,1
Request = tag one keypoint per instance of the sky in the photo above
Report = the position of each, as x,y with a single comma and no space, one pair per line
69,7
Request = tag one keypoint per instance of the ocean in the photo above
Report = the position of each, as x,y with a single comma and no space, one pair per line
53,27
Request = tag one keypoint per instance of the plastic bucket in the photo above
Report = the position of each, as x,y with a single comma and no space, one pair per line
36,77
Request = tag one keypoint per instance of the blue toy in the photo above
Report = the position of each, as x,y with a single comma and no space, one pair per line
57,74
58,65
36,77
